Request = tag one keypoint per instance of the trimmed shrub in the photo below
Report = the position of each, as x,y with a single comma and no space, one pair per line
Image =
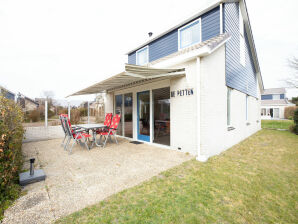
75,116
11,136
295,128
34,115
289,112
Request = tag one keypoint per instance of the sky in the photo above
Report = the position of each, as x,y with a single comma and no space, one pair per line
66,45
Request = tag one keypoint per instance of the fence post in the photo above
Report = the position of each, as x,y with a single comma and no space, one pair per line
69,111
88,112
46,113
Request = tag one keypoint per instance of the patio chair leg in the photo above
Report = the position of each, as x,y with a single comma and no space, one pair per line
115,139
75,141
62,144
86,144
67,142
105,142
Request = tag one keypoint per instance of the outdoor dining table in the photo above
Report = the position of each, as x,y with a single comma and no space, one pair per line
93,128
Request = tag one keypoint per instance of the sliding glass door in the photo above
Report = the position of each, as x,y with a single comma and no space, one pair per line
128,115
143,115
118,110
161,102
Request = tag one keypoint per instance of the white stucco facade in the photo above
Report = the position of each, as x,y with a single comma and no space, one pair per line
198,122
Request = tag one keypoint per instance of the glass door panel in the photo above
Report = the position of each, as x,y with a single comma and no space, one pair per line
118,110
161,102
128,115
144,115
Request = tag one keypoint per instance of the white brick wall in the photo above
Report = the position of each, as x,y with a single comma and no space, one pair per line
215,137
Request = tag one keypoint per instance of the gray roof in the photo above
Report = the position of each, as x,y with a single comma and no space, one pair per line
276,102
274,91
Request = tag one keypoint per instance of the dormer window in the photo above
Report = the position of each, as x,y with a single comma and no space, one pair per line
276,97
190,34
142,56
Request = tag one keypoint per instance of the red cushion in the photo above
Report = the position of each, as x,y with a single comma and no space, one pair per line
79,135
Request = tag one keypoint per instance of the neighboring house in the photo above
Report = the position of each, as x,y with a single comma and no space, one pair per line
7,94
273,103
194,88
26,103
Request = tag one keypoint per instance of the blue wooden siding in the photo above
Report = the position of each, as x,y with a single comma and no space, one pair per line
238,77
270,96
7,95
267,97
132,58
168,43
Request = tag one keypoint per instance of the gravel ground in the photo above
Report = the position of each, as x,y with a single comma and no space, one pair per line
85,177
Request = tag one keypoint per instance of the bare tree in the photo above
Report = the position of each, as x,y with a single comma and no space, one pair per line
292,81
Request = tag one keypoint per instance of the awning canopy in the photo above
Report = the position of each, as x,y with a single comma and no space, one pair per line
133,75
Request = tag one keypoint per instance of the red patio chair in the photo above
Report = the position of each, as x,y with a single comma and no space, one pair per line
107,123
111,131
76,135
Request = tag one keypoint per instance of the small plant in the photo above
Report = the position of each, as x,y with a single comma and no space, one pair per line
75,116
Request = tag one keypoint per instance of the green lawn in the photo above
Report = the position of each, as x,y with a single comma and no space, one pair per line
277,124
253,182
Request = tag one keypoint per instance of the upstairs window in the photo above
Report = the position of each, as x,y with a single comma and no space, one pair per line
276,97
189,34
143,56
242,40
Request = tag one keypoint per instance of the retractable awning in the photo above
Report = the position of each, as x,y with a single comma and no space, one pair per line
132,75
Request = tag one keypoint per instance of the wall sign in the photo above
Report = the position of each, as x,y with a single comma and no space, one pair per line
182,92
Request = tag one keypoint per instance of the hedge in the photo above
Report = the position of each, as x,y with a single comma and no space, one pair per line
294,128
11,136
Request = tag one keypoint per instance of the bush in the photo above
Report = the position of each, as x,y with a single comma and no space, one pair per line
11,136
83,111
289,112
294,128
34,115
75,116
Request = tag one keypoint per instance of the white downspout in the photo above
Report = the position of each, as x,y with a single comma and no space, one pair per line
198,94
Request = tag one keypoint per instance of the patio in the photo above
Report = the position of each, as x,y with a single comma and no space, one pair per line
85,177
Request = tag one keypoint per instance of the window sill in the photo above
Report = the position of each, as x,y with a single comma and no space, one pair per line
231,128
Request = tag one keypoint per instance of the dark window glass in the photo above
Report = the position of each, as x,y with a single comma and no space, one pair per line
161,101
118,110
128,115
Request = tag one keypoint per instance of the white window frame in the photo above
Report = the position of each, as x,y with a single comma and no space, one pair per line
241,39
189,24
276,98
137,61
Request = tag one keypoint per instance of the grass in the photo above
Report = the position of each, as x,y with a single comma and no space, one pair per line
277,124
253,182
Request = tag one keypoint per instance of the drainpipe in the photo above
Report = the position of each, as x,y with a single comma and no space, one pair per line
198,97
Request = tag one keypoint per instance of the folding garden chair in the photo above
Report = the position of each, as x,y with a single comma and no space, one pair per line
61,116
76,135
107,123
111,131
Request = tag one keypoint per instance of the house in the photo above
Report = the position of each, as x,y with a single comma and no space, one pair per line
26,103
194,88
7,94
273,103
